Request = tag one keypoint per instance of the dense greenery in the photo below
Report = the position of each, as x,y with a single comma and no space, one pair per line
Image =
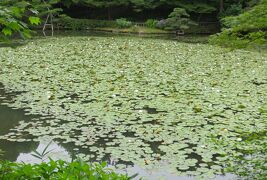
58,170
178,20
246,29
83,24
12,18
244,22
17,17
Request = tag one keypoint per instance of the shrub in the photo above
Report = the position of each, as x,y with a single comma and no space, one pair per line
123,23
83,24
151,23
58,170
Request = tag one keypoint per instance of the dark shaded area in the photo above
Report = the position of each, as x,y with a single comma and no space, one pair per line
9,118
13,149
112,13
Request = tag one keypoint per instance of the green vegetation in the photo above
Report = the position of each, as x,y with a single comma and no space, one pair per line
83,24
252,164
178,20
244,22
123,23
142,101
180,105
12,18
151,23
58,170
246,30
250,159
134,30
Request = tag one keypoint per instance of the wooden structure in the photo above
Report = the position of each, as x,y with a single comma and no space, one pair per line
48,22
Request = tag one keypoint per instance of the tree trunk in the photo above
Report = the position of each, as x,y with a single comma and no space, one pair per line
221,6
109,13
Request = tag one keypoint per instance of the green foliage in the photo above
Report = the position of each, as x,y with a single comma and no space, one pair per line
233,10
178,19
123,23
41,155
151,23
253,19
15,17
247,29
83,24
197,6
237,40
34,20
58,170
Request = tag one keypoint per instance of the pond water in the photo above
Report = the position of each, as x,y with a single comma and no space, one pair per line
24,151
157,107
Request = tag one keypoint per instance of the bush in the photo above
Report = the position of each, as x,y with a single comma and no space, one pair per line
83,24
123,23
151,23
58,170
247,29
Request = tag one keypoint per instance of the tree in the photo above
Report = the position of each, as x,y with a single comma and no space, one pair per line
15,16
221,9
179,19
248,28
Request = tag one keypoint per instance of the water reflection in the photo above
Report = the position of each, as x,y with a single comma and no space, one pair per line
47,148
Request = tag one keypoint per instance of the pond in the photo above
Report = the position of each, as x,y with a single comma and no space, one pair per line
153,106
